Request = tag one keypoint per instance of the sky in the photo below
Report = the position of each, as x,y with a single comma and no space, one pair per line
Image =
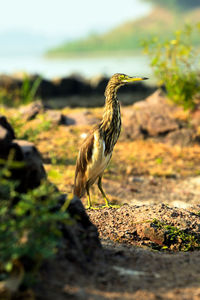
67,19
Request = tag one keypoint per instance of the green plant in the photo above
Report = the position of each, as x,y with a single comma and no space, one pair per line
23,95
31,134
29,222
29,89
159,160
173,235
6,98
16,122
175,64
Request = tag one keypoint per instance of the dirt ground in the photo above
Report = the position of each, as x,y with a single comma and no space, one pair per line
130,266
125,272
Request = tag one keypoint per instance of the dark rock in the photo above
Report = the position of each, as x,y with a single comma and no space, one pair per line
5,141
74,91
4,123
98,84
10,83
6,136
76,207
71,86
83,235
80,241
33,171
47,89
182,137
69,121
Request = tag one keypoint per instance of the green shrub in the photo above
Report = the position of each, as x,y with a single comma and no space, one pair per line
6,98
186,241
19,96
175,64
29,90
32,133
29,223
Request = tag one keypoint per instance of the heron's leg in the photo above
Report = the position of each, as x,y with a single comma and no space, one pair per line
102,192
88,196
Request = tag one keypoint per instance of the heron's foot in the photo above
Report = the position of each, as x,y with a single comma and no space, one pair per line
108,204
111,205
91,207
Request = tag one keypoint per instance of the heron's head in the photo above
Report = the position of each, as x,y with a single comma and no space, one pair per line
122,79
118,80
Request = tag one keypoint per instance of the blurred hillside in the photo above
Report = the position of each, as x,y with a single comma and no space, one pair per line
178,5
127,38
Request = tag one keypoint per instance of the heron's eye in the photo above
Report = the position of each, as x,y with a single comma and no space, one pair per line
121,77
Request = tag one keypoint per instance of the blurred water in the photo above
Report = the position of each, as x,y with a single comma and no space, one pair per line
88,67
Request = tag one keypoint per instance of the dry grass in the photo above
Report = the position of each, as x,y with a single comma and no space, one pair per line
59,147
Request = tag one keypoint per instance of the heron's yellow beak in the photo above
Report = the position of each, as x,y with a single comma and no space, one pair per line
135,78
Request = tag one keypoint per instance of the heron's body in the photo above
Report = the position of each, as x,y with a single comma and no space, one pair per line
99,159
96,151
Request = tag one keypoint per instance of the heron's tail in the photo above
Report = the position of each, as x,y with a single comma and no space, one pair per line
79,186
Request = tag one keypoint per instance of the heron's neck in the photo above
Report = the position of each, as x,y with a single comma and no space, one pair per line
111,122
111,109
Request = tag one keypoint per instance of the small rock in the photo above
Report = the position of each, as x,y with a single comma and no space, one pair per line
159,124
146,230
152,181
58,118
82,118
30,111
132,128
151,117
182,137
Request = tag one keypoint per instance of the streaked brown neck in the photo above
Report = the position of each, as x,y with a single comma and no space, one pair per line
111,122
